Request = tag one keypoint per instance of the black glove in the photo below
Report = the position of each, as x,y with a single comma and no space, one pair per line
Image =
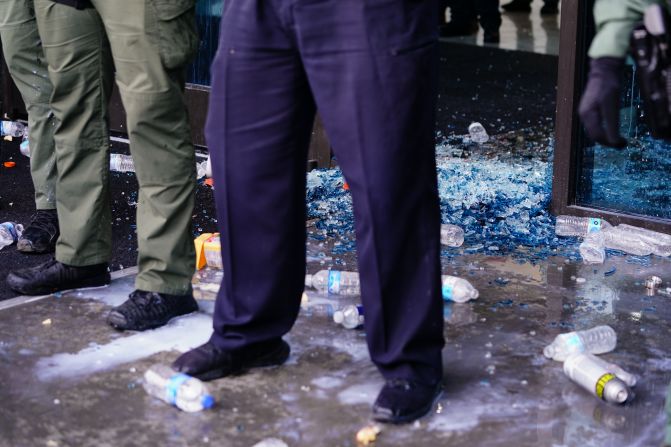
600,104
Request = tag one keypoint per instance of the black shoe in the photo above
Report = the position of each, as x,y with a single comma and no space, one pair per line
492,36
206,362
401,401
453,29
53,276
148,310
41,235
517,6
550,9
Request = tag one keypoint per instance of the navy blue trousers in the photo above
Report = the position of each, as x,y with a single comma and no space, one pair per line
369,66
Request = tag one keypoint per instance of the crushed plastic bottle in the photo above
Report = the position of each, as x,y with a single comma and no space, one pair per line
121,163
184,392
10,232
350,316
590,374
451,235
660,242
617,238
478,133
598,340
579,226
208,168
201,169
458,289
593,248
334,282
12,129
24,147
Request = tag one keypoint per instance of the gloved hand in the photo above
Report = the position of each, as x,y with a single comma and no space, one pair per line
600,104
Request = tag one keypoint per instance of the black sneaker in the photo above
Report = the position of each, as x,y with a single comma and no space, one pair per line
41,235
53,276
206,362
401,401
517,6
148,310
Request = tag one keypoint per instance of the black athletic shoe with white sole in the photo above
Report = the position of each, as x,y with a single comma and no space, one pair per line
149,310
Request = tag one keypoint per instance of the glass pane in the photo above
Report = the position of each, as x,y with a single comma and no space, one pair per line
634,180
208,17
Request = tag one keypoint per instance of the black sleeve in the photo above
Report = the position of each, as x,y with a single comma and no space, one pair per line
79,4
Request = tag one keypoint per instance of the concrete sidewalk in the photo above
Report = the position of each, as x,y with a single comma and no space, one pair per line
70,380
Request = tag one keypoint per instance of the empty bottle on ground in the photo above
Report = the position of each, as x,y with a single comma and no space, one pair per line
596,379
121,163
334,282
598,340
12,129
627,377
478,133
660,242
184,392
617,238
451,235
350,316
10,232
24,147
579,226
593,249
458,289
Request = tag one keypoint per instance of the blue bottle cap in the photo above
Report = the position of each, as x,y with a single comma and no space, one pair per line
207,401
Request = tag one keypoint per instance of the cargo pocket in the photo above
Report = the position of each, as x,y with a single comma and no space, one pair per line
171,27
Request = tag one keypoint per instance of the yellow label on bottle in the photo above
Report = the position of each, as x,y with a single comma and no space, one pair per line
601,383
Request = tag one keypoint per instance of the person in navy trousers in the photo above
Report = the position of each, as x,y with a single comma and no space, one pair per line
370,67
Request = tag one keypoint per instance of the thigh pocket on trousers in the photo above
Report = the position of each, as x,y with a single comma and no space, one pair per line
171,26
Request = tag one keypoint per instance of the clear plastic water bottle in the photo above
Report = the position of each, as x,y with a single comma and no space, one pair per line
184,392
320,309
334,282
458,289
478,133
660,242
598,340
350,316
593,248
617,238
24,147
628,378
121,163
579,226
12,129
451,235
590,374
10,232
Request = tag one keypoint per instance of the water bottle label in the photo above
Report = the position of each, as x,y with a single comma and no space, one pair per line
594,225
173,385
447,291
601,384
334,282
575,344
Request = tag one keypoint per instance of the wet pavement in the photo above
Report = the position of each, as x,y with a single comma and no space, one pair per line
69,380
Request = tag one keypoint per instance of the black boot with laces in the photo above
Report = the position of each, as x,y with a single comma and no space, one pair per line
149,310
41,235
53,276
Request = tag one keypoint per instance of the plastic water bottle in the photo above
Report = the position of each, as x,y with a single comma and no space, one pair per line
12,129
322,310
451,235
185,392
593,249
628,378
597,340
579,226
660,242
10,232
121,163
617,238
458,289
208,168
478,133
334,282
350,316
24,147
590,374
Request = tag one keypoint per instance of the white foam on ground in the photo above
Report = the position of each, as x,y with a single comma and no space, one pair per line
365,393
327,382
180,334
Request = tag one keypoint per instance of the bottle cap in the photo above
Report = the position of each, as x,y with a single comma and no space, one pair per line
207,401
338,316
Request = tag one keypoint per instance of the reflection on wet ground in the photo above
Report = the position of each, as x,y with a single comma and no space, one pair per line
500,390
